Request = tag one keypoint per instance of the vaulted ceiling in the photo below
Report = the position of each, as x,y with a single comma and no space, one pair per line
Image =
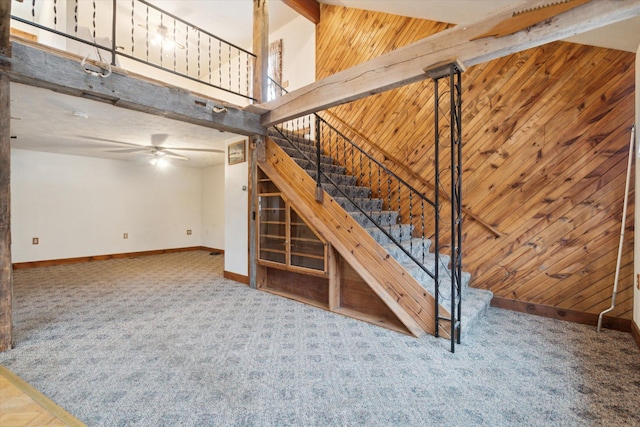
36,110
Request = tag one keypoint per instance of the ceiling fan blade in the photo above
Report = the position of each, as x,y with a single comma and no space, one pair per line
129,150
157,139
172,155
112,141
203,150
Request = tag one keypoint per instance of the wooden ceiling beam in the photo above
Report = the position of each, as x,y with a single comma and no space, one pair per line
60,71
408,64
310,9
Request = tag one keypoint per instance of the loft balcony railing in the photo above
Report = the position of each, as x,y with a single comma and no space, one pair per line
137,32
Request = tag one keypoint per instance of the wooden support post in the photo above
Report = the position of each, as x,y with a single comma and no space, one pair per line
6,281
257,146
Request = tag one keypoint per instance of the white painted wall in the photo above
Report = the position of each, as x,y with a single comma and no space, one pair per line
213,202
81,206
236,215
636,240
298,52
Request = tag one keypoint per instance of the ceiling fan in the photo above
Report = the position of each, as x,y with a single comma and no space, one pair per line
158,152
162,37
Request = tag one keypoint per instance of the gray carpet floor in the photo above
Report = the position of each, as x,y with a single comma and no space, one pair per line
166,341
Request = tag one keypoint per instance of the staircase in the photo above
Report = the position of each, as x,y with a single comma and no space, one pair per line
474,301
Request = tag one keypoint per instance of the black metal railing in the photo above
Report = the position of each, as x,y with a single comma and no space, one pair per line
108,31
404,215
448,177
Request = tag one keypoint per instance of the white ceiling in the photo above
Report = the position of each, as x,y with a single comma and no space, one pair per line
45,120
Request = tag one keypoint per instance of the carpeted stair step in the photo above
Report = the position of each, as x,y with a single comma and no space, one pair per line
416,247
445,275
400,232
365,203
351,191
475,304
327,168
304,144
338,179
384,218
295,154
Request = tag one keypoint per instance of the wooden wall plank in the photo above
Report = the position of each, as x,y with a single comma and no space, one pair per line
545,135
407,64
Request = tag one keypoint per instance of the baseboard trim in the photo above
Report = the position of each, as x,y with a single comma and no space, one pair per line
614,323
635,332
236,277
65,261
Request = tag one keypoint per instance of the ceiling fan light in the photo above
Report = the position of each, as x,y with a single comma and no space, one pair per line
154,161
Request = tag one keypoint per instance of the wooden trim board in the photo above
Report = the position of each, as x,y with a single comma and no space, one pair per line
236,277
48,406
614,323
635,332
65,261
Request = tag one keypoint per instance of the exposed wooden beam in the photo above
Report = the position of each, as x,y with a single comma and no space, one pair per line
62,72
6,280
5,29
310,9
408,64
257,147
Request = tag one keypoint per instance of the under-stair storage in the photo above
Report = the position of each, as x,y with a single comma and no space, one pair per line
295,262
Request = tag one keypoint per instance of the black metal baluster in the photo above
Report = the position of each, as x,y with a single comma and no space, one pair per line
146,27
186,46
210,70
133,26
94,22
161,39
55,14
318,158
114,18
437,207
199,55
175,45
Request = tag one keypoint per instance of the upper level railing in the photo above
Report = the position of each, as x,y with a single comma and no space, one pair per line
111,31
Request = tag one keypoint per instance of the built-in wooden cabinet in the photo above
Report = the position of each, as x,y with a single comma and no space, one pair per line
295,262
285,240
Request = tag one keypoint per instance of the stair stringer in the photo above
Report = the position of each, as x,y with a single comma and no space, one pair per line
394,285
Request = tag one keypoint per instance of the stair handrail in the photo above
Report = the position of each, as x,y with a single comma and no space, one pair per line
320,173
413,174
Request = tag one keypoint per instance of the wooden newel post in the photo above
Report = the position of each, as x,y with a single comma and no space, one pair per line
6,281
257,146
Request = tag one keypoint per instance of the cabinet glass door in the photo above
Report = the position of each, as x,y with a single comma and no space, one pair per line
273,230
306,249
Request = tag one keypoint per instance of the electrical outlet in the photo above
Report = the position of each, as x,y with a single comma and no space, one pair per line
35,241
125,236
188,232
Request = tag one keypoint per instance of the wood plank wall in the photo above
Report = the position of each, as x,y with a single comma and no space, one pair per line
546,135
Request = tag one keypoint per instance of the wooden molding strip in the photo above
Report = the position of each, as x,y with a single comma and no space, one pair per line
43,401
77,260
615,323
236,277
407,170
310,9
635,332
